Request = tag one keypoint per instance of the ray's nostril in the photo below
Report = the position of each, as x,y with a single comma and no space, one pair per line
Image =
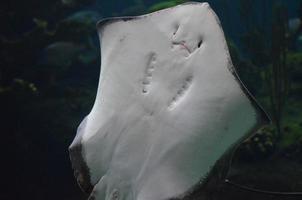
199,43
176,29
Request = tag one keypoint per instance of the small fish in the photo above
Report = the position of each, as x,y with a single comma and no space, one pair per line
68,2
85,16
294,24
60,53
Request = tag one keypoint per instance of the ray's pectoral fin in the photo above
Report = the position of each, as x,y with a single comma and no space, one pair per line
262,117
99,190
81,170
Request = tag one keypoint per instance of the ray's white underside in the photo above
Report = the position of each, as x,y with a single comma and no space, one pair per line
168,105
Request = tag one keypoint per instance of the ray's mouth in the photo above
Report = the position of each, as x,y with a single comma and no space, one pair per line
182,45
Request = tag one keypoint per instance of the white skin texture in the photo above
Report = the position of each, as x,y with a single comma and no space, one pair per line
168,105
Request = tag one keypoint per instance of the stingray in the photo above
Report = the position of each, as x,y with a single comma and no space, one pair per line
169,105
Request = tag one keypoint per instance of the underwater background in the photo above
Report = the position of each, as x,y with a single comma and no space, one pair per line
49,70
